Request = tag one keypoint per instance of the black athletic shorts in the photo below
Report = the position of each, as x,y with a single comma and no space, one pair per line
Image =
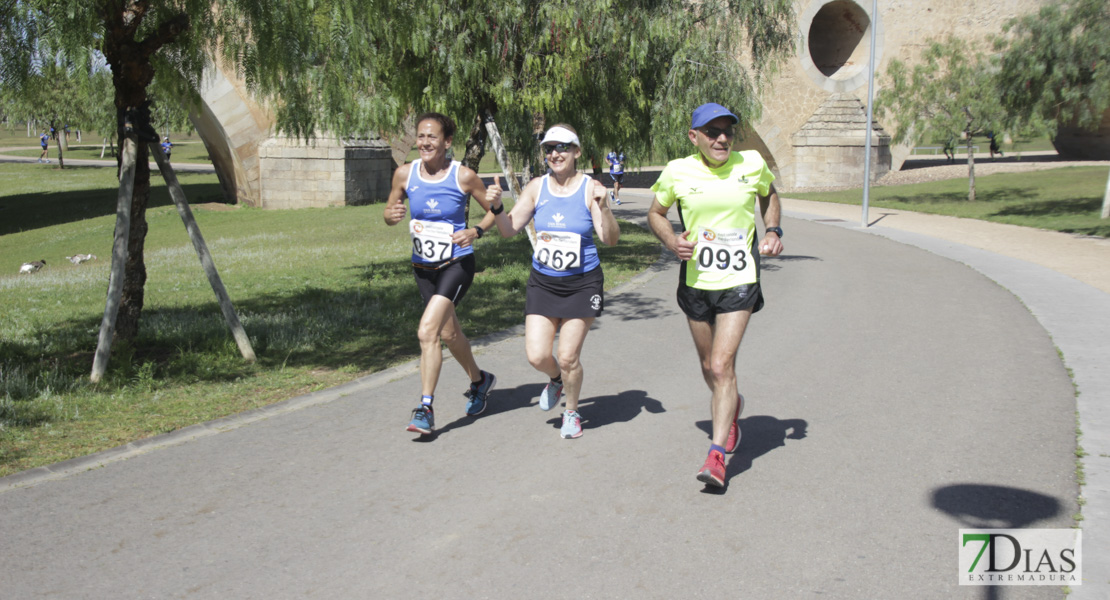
617,177
450,280
705,305
571,297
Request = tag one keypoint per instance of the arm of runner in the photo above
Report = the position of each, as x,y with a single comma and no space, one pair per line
662,228
771,211
472,184
522,212
605,224
395,206
504,224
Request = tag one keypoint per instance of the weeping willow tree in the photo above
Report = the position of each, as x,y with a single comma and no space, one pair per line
626,73
268,41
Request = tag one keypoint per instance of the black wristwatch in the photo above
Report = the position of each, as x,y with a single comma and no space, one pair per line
777,230
479,230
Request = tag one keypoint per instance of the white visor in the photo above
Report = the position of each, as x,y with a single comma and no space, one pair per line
560,135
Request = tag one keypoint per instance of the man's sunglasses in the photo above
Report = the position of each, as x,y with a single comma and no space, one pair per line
714,133
563,147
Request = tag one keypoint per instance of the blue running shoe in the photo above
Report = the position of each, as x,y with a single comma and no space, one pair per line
572,425
549,398
422,420
478,395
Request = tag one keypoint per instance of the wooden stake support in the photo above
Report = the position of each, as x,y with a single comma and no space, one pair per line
119,257
178,196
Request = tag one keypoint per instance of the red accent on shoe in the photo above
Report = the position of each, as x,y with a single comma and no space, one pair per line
713,471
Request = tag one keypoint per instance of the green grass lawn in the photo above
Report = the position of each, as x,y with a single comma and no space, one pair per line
326,295
1067,199
187,147
183,152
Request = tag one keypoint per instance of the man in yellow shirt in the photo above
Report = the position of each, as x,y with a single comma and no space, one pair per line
716,190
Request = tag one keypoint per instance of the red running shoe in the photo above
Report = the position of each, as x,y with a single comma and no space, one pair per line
734,428
713,471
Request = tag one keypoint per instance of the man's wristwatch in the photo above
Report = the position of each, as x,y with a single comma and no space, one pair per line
479,230
777,230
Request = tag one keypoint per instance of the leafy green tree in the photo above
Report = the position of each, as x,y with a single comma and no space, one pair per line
626,73
1055,66
951,90
139,38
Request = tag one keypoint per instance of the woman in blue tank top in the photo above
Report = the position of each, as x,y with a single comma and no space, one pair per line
565,290
442,256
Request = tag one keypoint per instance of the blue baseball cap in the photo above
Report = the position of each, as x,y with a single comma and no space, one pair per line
707,112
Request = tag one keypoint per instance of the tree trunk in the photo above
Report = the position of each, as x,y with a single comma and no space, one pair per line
539,124
132,72
134,280
1106,200
970,170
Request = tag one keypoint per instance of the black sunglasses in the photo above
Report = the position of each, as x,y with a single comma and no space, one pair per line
714,133
562,147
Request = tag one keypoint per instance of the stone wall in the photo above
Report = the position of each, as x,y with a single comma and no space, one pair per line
325,172
829,149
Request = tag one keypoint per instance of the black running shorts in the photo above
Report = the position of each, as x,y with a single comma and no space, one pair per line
705,305
451,280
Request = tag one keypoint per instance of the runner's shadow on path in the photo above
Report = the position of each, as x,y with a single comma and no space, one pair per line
607,410
759,435
499,401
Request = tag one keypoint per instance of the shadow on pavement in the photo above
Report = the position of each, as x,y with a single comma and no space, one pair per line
634,306
978,506
758,435
499,401
768,263
607,410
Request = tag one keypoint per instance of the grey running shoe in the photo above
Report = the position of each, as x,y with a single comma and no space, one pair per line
572,425
549,397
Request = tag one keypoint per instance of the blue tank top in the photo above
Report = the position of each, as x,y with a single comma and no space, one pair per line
566,214
441,201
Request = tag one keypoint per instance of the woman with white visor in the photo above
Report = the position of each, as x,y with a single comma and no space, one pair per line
565,290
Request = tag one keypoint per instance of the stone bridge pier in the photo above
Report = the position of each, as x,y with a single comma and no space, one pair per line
258,168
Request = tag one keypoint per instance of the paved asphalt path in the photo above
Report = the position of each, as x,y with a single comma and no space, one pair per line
894,396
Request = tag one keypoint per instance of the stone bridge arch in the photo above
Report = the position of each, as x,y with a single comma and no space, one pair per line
258,168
